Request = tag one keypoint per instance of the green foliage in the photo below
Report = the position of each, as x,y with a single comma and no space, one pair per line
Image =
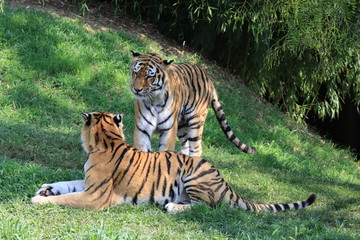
302,55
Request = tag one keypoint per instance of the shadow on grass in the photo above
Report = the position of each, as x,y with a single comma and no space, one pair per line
302,224
20,180
45,123
57,149
79,65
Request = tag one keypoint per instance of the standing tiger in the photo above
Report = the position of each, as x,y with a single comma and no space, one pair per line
117,173
174,99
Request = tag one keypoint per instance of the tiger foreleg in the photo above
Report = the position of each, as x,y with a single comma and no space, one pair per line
182,135
93,197
74,200
145,124
60,188
168,139
142,139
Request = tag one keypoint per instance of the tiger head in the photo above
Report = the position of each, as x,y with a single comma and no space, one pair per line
99,129
148,74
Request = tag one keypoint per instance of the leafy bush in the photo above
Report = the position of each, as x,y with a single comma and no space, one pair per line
302,55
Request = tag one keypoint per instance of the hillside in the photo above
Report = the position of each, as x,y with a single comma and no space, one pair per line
55,64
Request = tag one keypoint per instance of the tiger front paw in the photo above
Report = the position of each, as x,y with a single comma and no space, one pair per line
175,207
45,191
40,200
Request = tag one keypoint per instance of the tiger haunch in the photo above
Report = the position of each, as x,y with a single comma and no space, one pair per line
173,99
117,173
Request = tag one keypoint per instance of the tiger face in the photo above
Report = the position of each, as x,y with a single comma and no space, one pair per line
92,125
148,74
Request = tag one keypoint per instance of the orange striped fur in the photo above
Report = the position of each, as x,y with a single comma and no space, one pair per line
117,173
173,99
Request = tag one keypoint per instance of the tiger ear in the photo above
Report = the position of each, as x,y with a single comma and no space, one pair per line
86,118
118,119
135,54
167,62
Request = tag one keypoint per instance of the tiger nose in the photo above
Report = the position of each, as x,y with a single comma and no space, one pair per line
137,90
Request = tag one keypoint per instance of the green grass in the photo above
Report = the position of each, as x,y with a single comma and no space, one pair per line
52,69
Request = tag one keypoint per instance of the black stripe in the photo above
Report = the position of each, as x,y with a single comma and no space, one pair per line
179,161
92,166
146,107
194,139
182,136
227,129
154,164
142,115
96,138
191,164
159,176
90,187
134,200
286,206
168,163
237,199
101,194
101,184
248,206
166,119
107,200
165,101
201,175
277,206
114,153
222,118
127,168
296,206
218,187
143,131
152,193
164,187
117,135
171,193
270,207
145,162
222,195
142,185
134,172
199,164
119,161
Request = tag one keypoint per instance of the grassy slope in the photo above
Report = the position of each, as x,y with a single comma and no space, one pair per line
51,69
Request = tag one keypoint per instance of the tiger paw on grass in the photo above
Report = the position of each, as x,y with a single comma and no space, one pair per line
173,99
117,173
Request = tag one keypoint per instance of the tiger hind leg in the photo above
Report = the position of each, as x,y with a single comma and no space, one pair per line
194,136
182,135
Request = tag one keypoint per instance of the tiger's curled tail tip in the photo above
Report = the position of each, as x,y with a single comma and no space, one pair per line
250,150
311,199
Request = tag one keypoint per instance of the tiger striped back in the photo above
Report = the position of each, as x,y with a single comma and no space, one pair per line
173,99
117,173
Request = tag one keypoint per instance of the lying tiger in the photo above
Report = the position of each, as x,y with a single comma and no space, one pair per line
174,99
117,173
